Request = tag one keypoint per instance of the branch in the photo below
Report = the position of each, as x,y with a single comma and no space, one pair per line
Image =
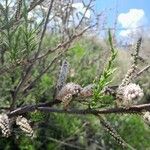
133,109
30,86
75,36
44,28
28,70
31,108
46,107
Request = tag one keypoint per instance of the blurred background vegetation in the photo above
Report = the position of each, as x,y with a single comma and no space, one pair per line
87,56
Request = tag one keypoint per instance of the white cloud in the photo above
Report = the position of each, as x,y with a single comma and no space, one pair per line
125,32
80,9
132,19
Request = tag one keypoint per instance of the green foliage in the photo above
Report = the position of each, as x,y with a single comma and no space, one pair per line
64,123
104,79
132,129
87,59
37,116
26,143
78,50
88,52
46,82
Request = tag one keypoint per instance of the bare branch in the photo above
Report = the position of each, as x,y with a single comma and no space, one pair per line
46,107
81,20
44,28
75,36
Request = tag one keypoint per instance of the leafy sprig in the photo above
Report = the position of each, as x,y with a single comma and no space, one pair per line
105,78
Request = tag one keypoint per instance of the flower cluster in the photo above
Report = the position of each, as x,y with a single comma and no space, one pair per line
5,125
67,92
129,76
130,94
20,121
112,132
24,125
132,72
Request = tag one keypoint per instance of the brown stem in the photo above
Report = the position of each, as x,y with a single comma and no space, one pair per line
46,107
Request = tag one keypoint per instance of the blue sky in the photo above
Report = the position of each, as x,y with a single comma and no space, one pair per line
137,10
123,6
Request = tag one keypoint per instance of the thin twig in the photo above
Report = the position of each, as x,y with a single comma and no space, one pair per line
18,11
74,133
143,70
15,22
41,74
81,20
33,5
64,143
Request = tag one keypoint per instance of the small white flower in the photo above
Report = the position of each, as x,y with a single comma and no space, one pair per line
5,125
132,93
24,125
129,76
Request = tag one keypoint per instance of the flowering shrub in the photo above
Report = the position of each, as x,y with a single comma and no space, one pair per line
65,106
